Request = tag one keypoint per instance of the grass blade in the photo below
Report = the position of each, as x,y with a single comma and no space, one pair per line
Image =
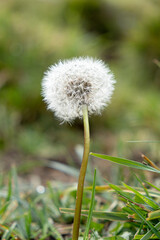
110,216
126,162
16,187
121,192
28,221
8,232
150,233
106,188
148,201
150,184
54,232
153,229
154,215
9,187
142,185
143,141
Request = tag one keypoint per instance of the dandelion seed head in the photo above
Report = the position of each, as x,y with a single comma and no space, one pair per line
70,84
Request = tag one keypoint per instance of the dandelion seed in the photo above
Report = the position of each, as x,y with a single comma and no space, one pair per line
70,84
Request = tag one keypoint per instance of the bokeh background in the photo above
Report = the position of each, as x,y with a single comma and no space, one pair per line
34,35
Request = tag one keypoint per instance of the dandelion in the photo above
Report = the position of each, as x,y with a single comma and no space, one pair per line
73,89
70,84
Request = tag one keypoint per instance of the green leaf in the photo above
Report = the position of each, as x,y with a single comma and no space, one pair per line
142,185
113,238
153,215
150,184
153,229
91,208
4,208
150,233
140,237
9,187
143,141
16,187
148,201
28,220
110,216
104,188
126,162
120,192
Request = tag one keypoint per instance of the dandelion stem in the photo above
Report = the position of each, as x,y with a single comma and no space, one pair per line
82,174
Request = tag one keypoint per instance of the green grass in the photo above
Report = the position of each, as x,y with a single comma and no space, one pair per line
133,213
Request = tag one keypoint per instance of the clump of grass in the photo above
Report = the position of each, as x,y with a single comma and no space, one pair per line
109,211
29,214
138,210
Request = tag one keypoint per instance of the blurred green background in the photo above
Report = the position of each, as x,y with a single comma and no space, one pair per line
35,34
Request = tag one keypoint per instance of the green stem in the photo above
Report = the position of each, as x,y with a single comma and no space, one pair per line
82,174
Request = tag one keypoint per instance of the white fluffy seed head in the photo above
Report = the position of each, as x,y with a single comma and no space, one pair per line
70,84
